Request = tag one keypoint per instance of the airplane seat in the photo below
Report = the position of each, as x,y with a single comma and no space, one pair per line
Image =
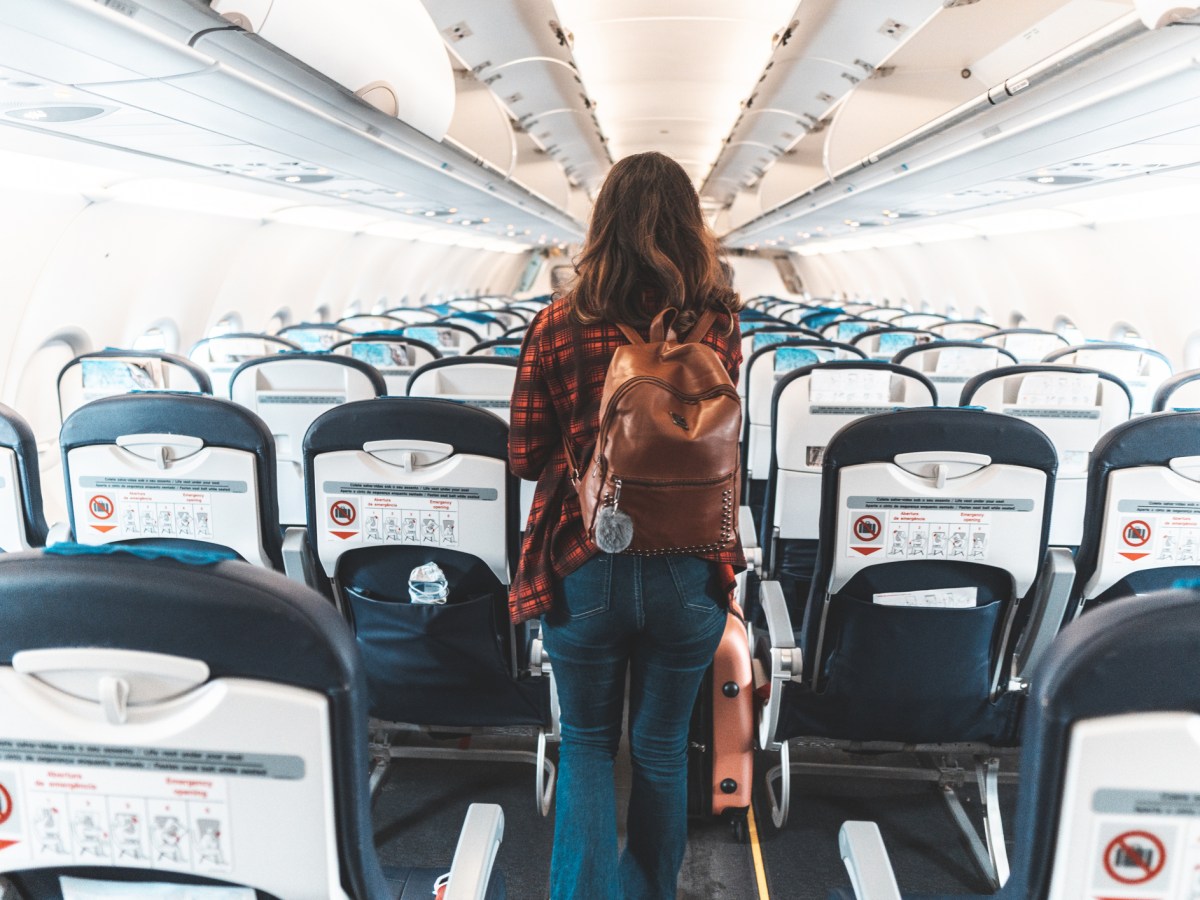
1074,406
469,304
773,355
808,317
156,692
411,315
750,316
220,355
169,468
846,328
933,530
533,307
808,407
483,324
758,333
501,346
105,373
963,329
449,339
368,323
477,380
315,337
1143,370
510,318
919,320
1028,345
1142,520
392,354
884,342
1109,770
1178,393
22,522
395,484
288,392
885,314
948,364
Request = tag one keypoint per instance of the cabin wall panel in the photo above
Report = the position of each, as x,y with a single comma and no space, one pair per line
1134,271
29,229
111,269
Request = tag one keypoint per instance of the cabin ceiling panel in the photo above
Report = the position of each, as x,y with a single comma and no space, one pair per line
259,116
1090,116
1142,138
661,60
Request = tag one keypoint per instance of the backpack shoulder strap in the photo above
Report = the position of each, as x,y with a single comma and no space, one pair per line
703,325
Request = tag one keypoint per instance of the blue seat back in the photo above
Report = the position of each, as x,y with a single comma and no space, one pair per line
1142,517
172,467
22,523
169,688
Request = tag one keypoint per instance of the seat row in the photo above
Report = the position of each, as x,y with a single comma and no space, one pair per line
194,720
915,613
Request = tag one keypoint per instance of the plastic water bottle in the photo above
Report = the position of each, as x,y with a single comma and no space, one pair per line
427,584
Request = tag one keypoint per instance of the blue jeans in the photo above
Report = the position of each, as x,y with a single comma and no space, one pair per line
660,617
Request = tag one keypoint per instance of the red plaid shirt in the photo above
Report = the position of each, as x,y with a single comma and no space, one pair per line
558,387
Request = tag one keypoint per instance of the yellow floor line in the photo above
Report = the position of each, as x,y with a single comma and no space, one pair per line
760,871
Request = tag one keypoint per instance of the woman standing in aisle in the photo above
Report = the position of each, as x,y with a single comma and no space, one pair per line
659,617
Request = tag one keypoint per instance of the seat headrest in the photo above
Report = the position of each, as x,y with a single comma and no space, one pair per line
1004,439
243,621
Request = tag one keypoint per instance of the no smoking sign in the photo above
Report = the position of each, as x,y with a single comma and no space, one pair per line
1135,857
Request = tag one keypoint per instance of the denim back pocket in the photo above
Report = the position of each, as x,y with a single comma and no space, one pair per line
693,579
586,591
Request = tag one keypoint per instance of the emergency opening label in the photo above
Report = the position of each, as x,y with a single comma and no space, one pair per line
66,804
401,516
920,534
1149,532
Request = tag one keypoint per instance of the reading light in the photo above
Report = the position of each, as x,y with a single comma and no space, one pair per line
56,114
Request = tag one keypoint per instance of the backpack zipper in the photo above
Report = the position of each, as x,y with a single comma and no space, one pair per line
667,386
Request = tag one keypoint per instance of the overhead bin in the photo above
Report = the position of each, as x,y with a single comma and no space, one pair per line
1102,108
480,124
822,54
235,104
518,49
379,51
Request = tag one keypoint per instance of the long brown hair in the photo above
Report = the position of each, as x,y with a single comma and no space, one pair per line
649,248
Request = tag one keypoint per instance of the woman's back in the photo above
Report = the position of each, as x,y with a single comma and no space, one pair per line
557,396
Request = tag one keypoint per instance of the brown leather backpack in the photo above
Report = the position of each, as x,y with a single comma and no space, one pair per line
663,477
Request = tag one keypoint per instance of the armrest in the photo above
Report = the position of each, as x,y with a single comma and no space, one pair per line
475,855
866,860
59,533
780,655
297,558
1050,599
539,661
749,536
746,527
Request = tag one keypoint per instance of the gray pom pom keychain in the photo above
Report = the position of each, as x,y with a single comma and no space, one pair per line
614,529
